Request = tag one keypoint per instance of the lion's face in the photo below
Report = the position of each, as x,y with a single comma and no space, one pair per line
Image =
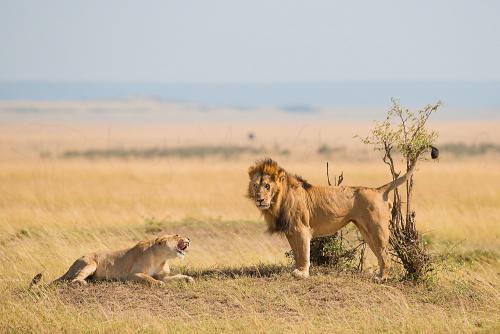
262,189
173,244
266,182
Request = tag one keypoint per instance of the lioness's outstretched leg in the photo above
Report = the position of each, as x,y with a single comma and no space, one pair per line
164,275
79,271
178,277
300,241
144,278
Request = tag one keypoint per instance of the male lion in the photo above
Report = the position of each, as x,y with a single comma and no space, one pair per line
146,262
301,211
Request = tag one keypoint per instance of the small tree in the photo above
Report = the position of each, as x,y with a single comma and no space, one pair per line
406,132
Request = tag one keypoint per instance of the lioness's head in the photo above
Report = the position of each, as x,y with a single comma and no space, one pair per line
173,244
266,182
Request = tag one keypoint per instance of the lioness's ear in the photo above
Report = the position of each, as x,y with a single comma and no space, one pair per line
160,241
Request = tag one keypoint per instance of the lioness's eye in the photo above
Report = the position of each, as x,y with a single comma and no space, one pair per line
267,186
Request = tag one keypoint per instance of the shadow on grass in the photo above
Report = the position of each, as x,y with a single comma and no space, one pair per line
255,271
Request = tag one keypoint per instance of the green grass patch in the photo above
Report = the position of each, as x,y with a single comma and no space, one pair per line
156,152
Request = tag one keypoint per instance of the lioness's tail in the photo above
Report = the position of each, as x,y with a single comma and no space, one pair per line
35,280
387,188
38,277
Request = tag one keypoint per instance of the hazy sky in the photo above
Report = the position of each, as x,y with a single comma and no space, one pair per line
249,41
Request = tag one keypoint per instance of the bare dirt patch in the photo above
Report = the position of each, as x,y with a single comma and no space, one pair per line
276,294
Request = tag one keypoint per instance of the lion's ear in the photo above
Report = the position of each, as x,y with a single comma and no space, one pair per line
251,171
281,176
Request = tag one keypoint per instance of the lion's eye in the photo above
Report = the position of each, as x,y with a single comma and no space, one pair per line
267,186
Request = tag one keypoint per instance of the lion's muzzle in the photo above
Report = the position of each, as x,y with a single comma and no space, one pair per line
261,204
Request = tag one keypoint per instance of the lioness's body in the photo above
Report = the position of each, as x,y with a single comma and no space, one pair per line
302,211
146,262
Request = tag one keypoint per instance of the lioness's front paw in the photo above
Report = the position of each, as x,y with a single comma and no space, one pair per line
300,274
189,279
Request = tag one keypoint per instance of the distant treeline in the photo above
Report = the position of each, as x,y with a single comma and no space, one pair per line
462,149
456,149
155,152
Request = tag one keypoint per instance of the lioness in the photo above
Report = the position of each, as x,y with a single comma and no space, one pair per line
301,211
146,262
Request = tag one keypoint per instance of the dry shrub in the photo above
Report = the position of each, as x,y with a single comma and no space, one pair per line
336,251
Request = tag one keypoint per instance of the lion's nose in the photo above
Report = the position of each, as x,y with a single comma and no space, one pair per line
260,200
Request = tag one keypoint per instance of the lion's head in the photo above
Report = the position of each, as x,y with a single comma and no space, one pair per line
266,182
173,244
276,193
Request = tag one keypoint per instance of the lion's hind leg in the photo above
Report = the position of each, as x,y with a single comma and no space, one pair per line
79,271
377,237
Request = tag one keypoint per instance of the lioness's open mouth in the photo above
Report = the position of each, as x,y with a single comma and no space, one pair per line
182,246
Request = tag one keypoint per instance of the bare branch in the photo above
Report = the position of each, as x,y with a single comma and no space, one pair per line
341,178
327,174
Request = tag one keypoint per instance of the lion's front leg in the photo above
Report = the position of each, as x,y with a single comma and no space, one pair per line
291,241
300,241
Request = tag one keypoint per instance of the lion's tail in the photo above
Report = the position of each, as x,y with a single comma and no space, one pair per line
387,188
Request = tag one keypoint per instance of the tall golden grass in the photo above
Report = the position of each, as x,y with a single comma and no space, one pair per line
54,211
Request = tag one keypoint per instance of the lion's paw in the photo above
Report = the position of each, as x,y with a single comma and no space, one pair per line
378,280
300,274
189,279
79,282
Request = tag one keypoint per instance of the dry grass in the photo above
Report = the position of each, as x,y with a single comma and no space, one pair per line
54,210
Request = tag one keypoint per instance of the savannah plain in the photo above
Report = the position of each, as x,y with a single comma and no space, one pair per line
76,177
